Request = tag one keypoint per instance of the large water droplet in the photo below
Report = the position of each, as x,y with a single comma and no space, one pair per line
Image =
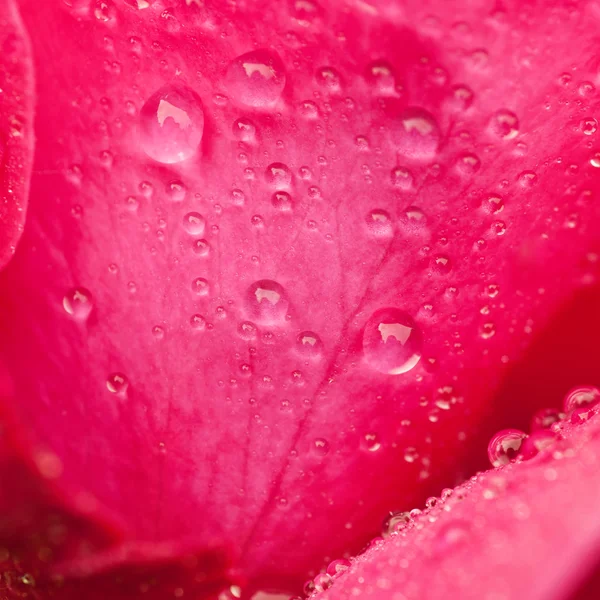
256,78
194,223
172,124
338,567
392,341
581,396
267,301
417,135
278,175
504,447
78,303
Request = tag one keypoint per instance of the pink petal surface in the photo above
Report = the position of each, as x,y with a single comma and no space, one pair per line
528,530
16,134
188,321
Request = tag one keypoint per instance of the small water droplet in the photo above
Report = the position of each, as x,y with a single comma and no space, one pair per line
487,331
256,78
527,179
200,286
321,446
581,396
267,302
410,454
442,264
392,341
176,190
282,201
494,204
505,446
545,418
418,135
198,322
381,76
371,442
117,383
505,124
395,522
402,178
172,124
537,442
309,344
78,303
379,223
329,78
338,567
588,126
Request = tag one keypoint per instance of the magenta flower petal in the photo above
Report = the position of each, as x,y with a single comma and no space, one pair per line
16,131
287,270
528,530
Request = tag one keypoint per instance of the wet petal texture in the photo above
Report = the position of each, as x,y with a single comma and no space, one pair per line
528,530
279,262
16,127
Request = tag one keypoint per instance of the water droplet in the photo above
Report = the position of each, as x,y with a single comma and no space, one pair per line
468,164
198,322
158,332
322,582
309,344
266,301
498,228
595,160
402,178
78,303
395,522
505,124
494,204
200,286
329,78
581,396
194,223
247,330
282,201
462,97
392,341
338,567
278,175
305,11
442,264
537,442
410,454
418,135
321,446
381,76
487,331
527,179
371,442
256,78
588,126
505,446
545,418
117,383
172,124
379,223
176,190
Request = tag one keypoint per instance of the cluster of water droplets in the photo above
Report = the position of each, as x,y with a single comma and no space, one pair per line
512,445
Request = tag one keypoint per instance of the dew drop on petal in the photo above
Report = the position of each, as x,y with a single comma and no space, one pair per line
267,302
395,522
588,126
321,446
581,396
172,124
278,175
505,446
379,223
505,124
338,567
282,201
545,418
256,78
78,303
194,223
371,442
537,442
200,286
117,383
417,134
391,341
244,130
309,344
